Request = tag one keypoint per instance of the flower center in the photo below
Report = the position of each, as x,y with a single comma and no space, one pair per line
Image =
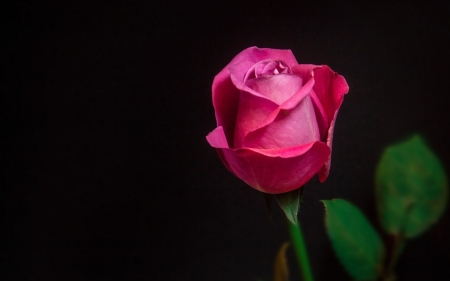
267,68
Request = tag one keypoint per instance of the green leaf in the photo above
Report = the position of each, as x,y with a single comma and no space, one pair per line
281,271
290,202
411,188
355,242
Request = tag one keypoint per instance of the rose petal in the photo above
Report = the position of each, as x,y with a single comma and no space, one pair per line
225,99
321,115
289,104
304,70
331,93
237,77
327,94
271,67
255,54
253,110
330,88
290,128
325,170
217,138
279,170
277,88
299,96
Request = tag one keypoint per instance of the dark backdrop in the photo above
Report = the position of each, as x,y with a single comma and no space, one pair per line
106,107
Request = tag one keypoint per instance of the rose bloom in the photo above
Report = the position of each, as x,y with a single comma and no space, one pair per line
275,118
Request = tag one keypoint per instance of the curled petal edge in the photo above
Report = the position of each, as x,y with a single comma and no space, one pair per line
328,111
325,170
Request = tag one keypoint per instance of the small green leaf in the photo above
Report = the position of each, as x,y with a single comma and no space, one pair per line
411,188
355,242
281,271
290,202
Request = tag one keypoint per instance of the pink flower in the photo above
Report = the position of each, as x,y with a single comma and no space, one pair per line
275,118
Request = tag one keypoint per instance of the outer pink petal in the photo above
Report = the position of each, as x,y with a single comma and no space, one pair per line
217,140
325,170
277,170
225,99
330,89
328,94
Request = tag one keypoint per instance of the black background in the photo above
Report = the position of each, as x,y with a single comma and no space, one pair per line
106,107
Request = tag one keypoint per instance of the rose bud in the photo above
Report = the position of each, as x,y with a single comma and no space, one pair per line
275,118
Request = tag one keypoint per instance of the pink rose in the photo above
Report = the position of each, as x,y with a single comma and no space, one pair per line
275,118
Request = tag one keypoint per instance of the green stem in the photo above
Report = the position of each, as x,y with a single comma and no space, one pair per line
396,251
300,250
398,246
